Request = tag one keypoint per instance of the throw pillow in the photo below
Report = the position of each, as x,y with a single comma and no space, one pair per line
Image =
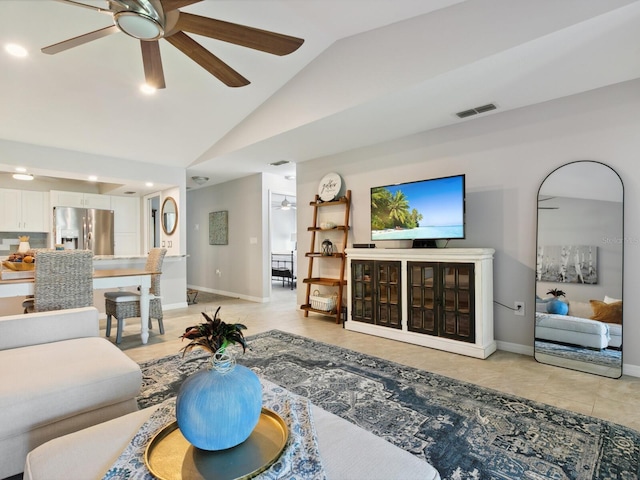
580,309
608,299
607,312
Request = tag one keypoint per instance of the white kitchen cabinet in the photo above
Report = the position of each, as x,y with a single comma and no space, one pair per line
126,225
81,200
23,211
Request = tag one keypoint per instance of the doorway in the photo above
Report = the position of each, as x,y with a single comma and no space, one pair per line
283,243
151,221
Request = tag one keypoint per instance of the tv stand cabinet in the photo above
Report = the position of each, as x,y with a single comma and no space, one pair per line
439,298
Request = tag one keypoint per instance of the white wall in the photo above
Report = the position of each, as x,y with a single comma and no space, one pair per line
505,157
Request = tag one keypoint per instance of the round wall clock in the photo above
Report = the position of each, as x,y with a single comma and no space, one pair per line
329,187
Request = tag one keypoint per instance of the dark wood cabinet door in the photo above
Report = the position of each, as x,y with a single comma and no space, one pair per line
388,305
362,292
457,287
423,297
441,299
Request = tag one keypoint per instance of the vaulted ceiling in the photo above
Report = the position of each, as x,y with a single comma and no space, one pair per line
368,71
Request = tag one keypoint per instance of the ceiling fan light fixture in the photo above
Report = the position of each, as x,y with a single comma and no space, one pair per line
285,205
148,89
138,25
200,180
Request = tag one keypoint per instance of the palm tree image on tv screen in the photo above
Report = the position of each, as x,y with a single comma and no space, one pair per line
427,209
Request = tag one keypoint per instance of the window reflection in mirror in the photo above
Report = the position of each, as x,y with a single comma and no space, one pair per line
169,216
580,244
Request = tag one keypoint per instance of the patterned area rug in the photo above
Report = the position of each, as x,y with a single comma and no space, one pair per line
606,357
464,431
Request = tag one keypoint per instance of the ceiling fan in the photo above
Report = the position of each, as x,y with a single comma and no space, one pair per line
286,204
151,20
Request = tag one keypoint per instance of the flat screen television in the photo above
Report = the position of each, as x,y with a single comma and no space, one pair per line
422,211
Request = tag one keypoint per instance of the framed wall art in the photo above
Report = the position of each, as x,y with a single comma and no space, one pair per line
567,264
219,228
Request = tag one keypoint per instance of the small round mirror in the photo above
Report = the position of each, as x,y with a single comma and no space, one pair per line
169,215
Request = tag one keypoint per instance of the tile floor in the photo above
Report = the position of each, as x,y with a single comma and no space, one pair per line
614,400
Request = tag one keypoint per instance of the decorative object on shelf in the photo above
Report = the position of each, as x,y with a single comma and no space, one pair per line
219,228
23,246
329,187
326,303
219,407
327,225
555,305
327,248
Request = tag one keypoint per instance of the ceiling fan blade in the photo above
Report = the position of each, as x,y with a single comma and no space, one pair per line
80,40
91,7
153,73
207,60
249,37
169,5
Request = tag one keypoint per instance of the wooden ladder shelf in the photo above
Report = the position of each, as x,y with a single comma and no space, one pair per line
315,253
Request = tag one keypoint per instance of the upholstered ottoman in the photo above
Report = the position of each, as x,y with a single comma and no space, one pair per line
58,376
572,330
347,451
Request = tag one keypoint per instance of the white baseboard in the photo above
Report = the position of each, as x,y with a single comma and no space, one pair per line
230,294
515,348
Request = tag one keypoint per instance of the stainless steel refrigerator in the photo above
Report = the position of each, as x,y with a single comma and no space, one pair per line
84,229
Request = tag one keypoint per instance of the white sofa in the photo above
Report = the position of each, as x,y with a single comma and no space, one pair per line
58,376
572,330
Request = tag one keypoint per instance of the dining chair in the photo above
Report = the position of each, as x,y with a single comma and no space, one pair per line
123,305
62,279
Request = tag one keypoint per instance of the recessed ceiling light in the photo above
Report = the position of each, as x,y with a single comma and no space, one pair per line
16,50
149,184
147,89
92,178
22,176
20,169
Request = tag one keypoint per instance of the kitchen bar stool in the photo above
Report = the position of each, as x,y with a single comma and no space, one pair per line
124,305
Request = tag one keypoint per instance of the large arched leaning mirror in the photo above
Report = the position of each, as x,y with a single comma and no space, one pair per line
580,246
169,215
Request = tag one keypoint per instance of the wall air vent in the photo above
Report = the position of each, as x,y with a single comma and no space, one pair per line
484,108
466,113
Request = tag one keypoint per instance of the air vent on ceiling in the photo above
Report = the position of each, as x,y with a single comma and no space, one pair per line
129,193
473,111
279,162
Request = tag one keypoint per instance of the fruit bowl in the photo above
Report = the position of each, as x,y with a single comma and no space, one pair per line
18,266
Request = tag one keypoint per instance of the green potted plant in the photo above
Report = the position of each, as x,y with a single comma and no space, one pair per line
214,335
555,305
218,407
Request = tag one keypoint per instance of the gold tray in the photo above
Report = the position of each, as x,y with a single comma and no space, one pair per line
169,456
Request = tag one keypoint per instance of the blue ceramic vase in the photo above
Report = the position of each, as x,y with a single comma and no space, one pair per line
557,307
218,409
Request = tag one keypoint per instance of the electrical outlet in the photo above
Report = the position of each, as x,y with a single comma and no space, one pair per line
519,308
